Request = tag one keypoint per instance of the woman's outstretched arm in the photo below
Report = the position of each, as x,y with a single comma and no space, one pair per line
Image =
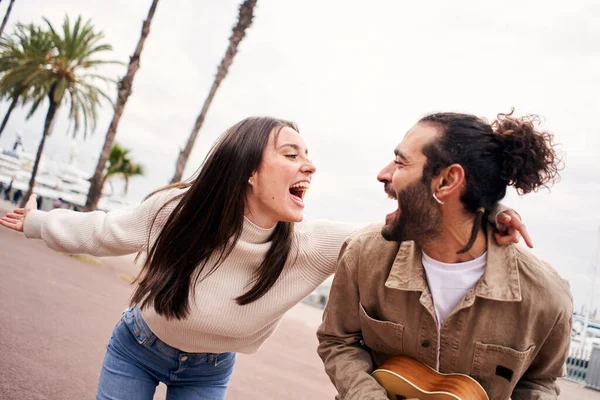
96,233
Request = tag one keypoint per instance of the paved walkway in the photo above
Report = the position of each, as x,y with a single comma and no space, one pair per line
58,312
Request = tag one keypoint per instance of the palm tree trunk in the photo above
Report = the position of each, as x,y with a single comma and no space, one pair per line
5,20
124,92
52,108
239,31
13,104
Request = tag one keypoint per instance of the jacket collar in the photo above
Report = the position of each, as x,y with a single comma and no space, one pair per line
500,280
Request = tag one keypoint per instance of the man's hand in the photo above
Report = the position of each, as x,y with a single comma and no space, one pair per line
515,228
16,219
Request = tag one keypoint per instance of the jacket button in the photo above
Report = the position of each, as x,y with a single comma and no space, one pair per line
425,343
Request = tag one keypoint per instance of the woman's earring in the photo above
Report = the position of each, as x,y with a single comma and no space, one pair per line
251,181
436,199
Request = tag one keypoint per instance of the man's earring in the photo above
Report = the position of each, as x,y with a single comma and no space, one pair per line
436,199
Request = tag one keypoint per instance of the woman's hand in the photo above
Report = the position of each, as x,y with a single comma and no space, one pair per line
16,219
515,228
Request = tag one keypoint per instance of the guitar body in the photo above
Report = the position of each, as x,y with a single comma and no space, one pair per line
406,378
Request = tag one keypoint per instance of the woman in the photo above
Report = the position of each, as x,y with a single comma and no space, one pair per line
227,257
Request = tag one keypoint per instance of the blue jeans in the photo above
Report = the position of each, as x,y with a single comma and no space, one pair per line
136,360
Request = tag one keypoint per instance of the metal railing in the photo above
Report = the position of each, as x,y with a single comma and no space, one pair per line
583,366
577,364
592,379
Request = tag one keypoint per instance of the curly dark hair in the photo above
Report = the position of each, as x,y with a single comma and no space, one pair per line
507,152
531,160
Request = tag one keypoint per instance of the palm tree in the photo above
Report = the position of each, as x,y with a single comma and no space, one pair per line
5,20
246,13
14,95
124,92
66,76
119,164
30,43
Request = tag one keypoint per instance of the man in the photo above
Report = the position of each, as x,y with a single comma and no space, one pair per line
8,189
434,285
17,196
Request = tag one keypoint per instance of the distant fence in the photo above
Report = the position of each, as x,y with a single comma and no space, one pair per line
593,376
577,364
583,366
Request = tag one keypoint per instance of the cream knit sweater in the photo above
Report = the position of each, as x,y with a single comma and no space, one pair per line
216,323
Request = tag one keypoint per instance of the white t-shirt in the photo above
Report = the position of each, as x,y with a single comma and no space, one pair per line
449,283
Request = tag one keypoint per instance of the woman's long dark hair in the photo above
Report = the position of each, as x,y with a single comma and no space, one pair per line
208,220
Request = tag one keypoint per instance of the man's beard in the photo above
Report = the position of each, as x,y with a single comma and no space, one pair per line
418,216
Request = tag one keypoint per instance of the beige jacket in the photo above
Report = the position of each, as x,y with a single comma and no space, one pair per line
511,332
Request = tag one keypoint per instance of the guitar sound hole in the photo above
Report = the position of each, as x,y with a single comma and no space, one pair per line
400,397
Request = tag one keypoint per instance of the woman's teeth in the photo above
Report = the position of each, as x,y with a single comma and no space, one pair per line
300,186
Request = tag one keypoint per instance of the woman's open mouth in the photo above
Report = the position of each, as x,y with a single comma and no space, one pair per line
297,191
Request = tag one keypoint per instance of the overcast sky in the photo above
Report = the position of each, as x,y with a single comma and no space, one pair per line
356,78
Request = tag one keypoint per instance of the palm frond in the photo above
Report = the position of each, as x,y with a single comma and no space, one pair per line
91,63
97,49
34,107
121,165
38,62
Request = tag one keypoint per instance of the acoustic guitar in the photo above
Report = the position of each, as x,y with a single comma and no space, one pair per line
406,378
